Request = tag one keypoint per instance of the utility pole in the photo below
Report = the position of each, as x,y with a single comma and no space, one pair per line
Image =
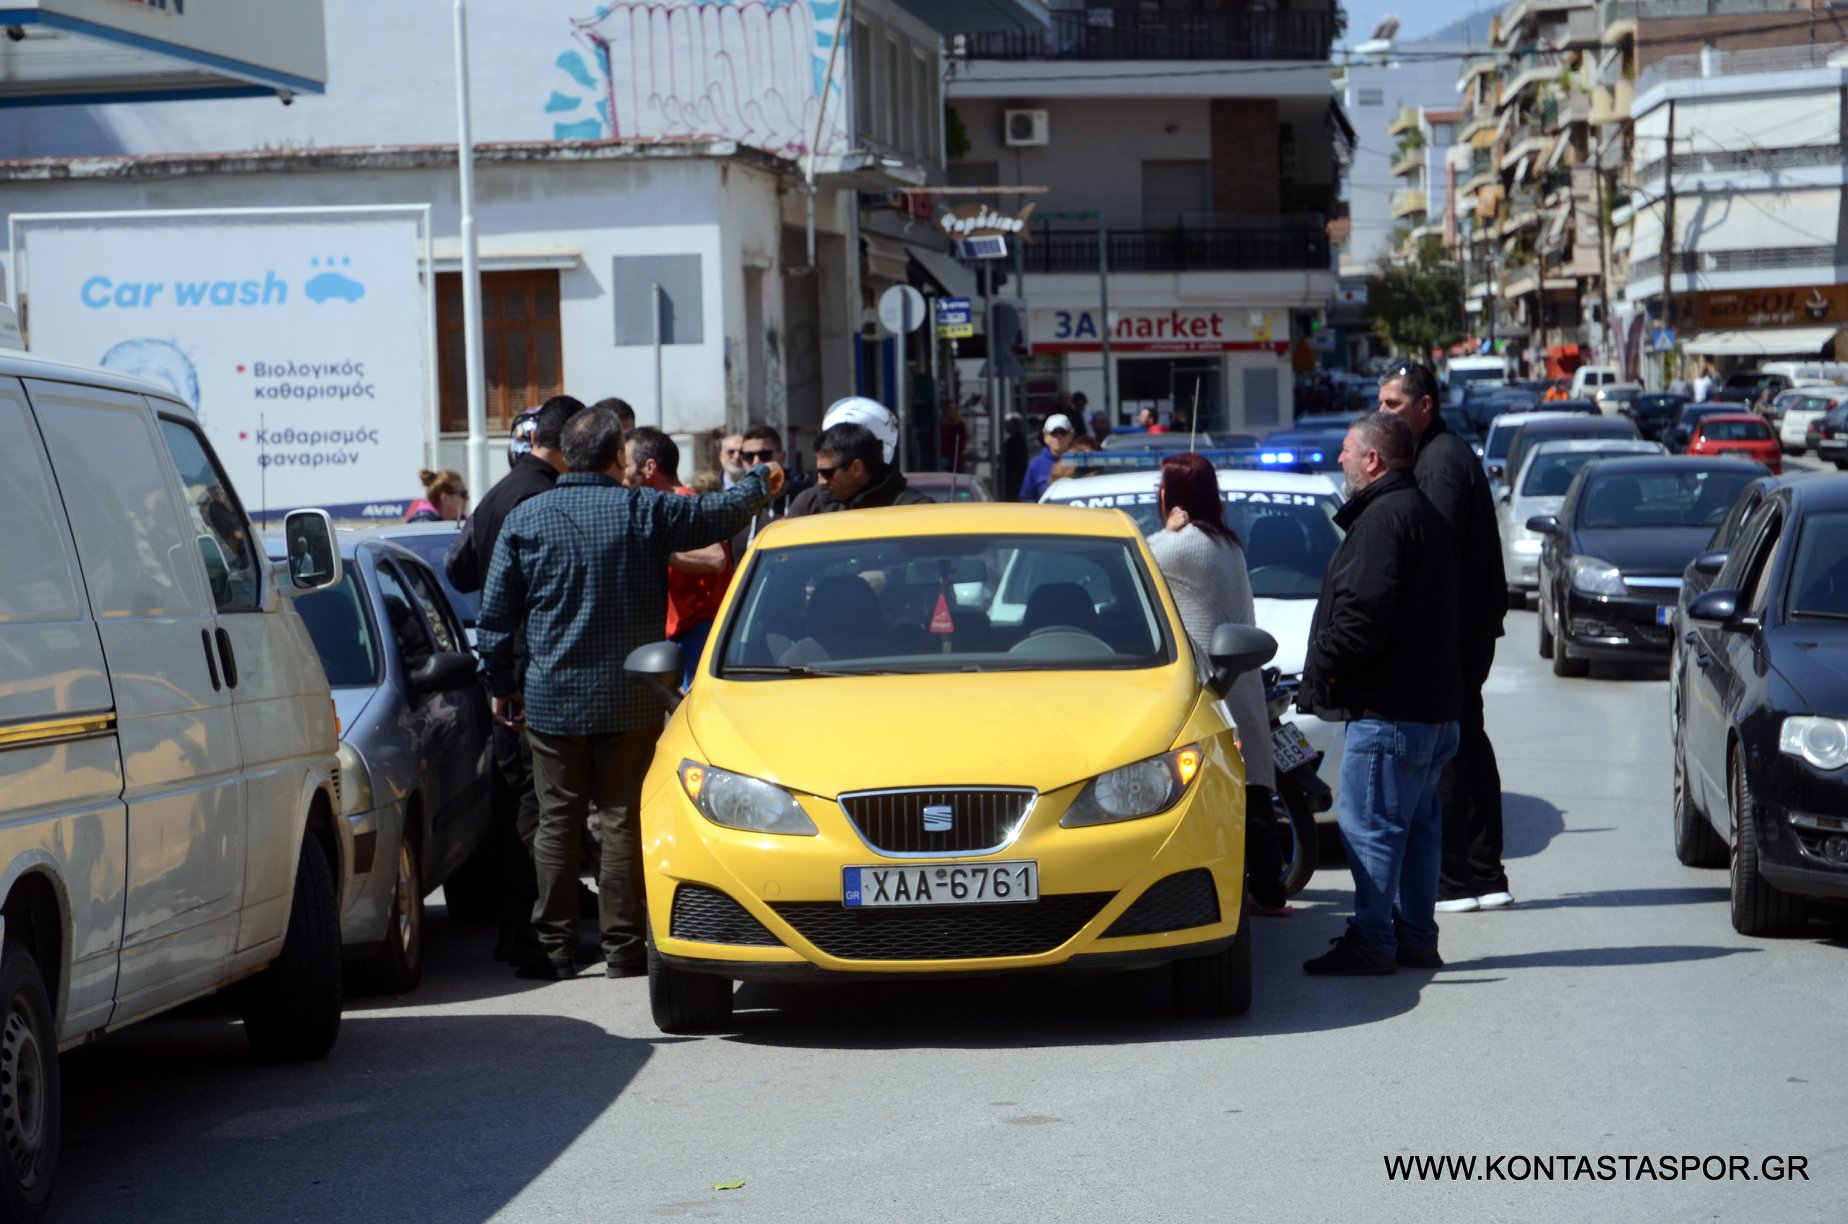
473,378
1604,274
1668,246
1540,298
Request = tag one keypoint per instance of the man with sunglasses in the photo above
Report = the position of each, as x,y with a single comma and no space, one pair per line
763,444
850,466
1449,473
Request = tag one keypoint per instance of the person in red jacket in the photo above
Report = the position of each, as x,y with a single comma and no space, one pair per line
696,581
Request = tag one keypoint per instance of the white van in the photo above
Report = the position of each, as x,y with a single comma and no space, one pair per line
1587,379
168,785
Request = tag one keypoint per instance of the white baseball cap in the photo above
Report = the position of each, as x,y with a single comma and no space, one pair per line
1057,420
858,410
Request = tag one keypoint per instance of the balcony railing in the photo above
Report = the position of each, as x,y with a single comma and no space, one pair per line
1124,34
1744,161
1774,260
1714,62
1290,246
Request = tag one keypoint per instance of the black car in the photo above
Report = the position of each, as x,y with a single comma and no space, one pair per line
1682,427
1832,438
1761,712
1612,558
1554,429
1654,413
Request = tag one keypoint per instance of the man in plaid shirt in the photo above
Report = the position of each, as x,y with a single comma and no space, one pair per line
584,570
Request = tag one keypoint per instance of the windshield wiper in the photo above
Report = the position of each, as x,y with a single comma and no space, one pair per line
804,670
1819,614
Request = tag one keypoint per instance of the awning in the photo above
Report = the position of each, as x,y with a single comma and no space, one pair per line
1769,342
885,259
955,279
448,257
87,52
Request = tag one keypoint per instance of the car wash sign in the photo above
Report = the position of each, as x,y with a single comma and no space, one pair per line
301,340
1178,330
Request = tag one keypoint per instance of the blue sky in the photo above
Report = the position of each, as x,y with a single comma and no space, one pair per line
1417,18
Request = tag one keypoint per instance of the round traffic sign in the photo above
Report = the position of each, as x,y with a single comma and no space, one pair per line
901,309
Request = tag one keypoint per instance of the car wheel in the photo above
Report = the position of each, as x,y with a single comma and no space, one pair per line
31,1093
1297,837
1841,465
1546,630
1219,983
398,964
1696,843
1563,662
292,1009
1757,907
685,1002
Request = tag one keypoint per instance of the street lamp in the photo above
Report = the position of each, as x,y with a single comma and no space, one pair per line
471,267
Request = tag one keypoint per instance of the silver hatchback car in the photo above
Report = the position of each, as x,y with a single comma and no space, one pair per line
1540,488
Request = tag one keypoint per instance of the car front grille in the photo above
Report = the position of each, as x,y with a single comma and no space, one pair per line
706,915
943,932
944,820
1175,903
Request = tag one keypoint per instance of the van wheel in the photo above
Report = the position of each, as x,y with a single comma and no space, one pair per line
292,1009
685,1002
1219,983
398,964
31,1095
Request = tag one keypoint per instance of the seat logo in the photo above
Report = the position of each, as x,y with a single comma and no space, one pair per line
939,818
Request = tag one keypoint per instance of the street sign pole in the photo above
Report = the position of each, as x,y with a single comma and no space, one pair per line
471,271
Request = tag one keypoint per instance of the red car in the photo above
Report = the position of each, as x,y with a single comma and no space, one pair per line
1737,433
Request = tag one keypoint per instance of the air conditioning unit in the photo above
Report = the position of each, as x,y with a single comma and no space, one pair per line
1026,128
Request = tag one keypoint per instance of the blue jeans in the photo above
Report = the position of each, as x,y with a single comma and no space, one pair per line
692,641
1393,828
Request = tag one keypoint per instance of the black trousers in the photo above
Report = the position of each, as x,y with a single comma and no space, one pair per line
1470,794
1263,856
510,831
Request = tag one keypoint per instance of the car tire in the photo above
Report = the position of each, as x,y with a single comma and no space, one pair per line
1296,823
1758,908
1219,983
398,965
1546,631
686,1003
470,894
1563,662
31,1091
292,1009
1696,843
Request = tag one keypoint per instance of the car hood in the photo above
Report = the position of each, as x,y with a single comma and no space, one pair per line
350,704
1644,550
1287,620
1817,651
829,735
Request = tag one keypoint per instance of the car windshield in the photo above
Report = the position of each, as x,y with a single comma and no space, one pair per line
1819,580
1687,497
1655,405
944,603
1736,431
1288,537
342,634
433,547
1551,475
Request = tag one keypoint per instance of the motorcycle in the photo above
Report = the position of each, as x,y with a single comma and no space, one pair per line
1301,794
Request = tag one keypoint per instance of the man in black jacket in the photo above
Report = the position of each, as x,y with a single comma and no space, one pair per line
1382,657
850,471
763,444
514,804
1451,476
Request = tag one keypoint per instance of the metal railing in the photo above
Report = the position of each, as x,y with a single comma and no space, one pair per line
1294,246
1774,260
1745,160
1715,62
1124,34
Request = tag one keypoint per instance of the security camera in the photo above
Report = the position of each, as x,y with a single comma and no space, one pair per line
286,96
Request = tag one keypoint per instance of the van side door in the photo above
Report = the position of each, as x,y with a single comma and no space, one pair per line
174,718
60,771
272,674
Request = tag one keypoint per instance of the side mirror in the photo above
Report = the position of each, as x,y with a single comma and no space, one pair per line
1544,524
1709,564
1507,494
1235,650
446,671
314,562
1496,471
659,665
1720,609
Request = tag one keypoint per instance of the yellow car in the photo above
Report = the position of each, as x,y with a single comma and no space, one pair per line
950,740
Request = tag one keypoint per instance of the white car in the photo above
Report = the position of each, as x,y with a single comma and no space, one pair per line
1286,522
1500,437
1540,488
1801,408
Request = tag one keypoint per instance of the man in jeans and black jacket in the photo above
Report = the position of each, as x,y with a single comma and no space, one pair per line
514,806
1383,658
1449,473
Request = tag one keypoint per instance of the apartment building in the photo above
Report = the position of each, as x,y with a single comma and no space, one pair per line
1425,135
1201,141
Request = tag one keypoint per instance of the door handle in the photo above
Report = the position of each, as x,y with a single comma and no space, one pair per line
228,657
211,663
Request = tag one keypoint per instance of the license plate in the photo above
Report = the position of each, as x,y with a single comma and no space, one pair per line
1290,747
1665,614
960,884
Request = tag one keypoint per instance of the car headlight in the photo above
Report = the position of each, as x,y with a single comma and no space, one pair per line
1134,791
738,802
355,781
1823,742
1595,577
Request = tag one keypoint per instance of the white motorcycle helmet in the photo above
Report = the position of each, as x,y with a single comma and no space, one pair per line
858,410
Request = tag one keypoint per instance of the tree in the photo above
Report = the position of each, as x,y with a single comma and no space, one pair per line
1415,304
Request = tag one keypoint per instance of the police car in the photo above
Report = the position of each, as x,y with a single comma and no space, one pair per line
1286,522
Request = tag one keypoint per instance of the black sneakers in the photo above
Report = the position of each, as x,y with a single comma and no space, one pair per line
1419,958
625,969
542,968
1350,957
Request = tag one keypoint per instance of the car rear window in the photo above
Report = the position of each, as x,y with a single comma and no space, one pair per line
1551,475
1685,497
1819,580
342,634
1735,431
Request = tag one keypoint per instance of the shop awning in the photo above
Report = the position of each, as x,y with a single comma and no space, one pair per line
951,276
89,52
1767,342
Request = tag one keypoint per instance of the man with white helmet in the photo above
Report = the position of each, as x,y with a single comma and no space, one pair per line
855,461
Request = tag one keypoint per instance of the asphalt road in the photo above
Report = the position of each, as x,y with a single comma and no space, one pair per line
1612,1013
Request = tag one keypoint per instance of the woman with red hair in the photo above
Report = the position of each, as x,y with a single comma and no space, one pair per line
1203,561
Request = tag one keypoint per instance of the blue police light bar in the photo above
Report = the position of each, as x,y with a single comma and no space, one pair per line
1242,457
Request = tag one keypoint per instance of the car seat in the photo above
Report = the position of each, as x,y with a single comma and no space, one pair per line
1060,603
844,622
1277,539
1613,502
